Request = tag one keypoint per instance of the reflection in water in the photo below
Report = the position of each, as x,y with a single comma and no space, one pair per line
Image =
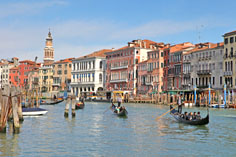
9,142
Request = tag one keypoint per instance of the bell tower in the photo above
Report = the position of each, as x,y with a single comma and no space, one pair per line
48,50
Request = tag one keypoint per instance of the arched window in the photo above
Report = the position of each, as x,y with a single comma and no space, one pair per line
100,77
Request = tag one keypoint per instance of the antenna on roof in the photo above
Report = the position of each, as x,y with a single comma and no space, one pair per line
199,32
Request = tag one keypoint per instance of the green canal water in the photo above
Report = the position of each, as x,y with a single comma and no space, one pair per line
95,133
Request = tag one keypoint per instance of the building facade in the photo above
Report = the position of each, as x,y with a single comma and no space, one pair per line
207,65
229,64
45,78
61,74
175,68
88,74
5,69
122,65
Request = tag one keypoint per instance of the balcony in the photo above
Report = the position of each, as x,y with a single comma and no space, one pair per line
204,72
228,73
56,84
120,80
119,67
149,83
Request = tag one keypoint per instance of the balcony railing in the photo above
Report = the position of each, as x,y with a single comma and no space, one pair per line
119,67
149,83
56,84
228,73
118,80
204,72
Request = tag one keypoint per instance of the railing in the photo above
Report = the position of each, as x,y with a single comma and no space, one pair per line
149,83
56,84
119,80
119,67
204,72
228,73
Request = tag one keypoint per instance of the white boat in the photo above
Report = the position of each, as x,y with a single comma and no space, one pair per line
33,111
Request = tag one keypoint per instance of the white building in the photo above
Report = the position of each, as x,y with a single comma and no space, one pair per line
207,66
88,74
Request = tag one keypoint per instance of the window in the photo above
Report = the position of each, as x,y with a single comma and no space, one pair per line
213,80
162,54
220,80
100,64
231,39
59,72
226,40
100,78
162,65
196,81
65,71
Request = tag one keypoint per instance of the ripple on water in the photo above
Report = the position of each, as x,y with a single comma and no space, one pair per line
95,133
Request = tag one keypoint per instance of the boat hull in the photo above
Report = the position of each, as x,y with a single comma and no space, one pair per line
178,118
122,113
33,111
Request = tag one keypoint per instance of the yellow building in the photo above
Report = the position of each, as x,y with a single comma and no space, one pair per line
46,78
61,74
229,59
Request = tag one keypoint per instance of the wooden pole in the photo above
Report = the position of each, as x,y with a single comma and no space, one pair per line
73,102
19,104
68,100
4,108
15,109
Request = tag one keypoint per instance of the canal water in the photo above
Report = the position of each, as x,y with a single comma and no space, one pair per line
94,132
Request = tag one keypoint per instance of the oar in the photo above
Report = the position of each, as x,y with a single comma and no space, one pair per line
165,113
106,110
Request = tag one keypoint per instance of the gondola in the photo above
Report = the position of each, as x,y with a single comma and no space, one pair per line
52,103
122,113
177,116
79,105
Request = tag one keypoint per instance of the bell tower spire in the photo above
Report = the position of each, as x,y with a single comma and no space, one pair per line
49,50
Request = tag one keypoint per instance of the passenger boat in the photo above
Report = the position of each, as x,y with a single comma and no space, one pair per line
122,113
52,103
79,105
177,116
33,111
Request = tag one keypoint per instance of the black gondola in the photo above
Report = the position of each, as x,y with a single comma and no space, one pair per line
177,116
79,105
122,113
52,103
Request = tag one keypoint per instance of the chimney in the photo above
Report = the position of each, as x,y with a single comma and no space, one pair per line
145,45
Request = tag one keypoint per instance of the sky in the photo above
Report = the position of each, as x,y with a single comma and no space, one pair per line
80,27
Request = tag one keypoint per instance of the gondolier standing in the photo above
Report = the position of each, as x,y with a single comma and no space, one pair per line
179,104
119,100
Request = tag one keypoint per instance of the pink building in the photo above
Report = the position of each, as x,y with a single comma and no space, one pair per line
122,65
151,80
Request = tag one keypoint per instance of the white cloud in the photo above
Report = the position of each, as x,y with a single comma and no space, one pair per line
74,38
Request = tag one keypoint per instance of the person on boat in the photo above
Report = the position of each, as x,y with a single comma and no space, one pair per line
190,116
194,115
185,115
119,100
55,97
198,116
